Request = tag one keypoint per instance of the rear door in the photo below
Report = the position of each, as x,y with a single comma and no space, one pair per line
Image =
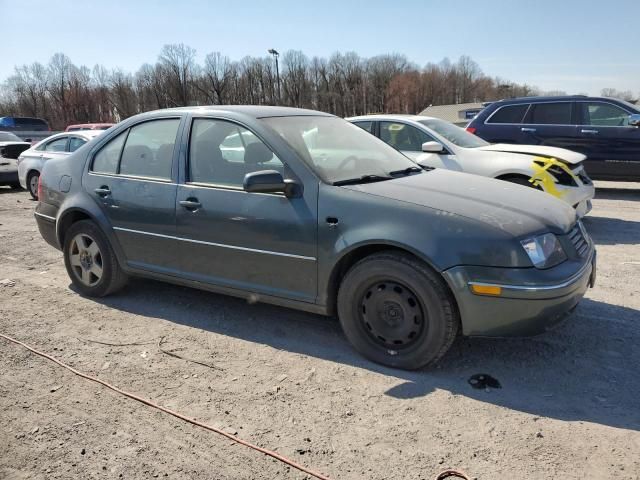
612,146
132,178
504,125
551,124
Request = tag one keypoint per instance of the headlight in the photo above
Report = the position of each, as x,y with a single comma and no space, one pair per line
544,250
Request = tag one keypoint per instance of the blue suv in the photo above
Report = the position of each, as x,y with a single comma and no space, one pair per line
606,130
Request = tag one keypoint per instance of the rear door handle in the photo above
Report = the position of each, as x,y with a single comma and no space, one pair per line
103,191
529,130
191,204
589,131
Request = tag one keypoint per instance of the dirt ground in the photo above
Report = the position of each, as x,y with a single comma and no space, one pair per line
569,406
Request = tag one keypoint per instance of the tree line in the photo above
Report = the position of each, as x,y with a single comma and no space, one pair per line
344,84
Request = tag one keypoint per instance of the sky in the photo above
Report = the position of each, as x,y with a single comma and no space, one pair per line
577,46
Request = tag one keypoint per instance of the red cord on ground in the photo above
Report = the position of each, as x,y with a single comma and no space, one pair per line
171,412
443,475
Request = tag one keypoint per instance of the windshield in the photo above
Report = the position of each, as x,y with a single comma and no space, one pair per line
9,137
338,150
456,135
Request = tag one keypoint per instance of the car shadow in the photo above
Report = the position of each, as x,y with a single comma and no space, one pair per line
578,372
612,231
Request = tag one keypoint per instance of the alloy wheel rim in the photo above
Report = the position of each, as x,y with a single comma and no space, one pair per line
85,258
391,315
33,184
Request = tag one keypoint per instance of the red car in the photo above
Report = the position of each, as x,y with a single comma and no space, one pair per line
89,126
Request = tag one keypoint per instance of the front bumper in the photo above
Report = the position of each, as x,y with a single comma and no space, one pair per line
536,302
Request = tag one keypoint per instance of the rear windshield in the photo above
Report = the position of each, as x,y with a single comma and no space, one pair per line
456,135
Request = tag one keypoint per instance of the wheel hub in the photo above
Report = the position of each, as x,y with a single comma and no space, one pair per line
85,260
392,315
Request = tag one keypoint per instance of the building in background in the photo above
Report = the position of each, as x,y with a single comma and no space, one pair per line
459,114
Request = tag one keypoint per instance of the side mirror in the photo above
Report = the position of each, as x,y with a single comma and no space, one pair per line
432,147
270,181
634,120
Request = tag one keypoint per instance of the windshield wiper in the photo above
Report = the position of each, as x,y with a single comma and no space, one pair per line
407,171
362,179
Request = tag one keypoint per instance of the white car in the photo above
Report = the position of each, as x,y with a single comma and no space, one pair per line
10,148
31,161
432,142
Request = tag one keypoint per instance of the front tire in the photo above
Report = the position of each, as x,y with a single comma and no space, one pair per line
396,311
90,260
32,184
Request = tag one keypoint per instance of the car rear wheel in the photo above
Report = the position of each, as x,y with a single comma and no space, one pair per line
396,311
90,260
32,184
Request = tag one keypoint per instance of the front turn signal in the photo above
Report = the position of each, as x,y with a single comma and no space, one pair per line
492,290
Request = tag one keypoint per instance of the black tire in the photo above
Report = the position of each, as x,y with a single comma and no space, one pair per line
32,184
111,277
520,180
411,322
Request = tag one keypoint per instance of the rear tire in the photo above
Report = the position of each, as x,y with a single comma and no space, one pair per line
32,184
396,311
90,261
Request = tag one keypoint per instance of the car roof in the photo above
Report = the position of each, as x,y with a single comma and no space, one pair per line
255,111
391,116
75,125
555,98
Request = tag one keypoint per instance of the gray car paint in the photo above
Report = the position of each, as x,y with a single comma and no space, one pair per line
450,220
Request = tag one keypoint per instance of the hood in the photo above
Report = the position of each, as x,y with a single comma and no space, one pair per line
563,154
515,209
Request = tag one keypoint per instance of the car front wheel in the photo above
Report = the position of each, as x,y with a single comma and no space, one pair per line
90,260
396,311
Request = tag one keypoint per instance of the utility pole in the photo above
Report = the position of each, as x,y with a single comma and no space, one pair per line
275,54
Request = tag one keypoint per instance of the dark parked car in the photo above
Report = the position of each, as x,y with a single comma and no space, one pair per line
23,124
606,130
303,209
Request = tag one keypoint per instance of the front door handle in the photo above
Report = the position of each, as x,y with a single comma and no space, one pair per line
593,132
103,191
528,130
191,204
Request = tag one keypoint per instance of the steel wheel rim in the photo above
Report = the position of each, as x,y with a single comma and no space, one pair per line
33,184
85,259
391,315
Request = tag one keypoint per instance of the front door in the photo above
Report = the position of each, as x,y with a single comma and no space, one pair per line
133,180
612,146
264,243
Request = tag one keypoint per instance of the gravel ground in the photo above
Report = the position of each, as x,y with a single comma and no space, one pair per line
569,406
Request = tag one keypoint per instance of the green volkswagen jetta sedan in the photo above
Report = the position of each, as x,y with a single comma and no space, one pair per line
303,209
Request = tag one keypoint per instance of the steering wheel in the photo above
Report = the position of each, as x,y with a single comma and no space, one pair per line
347,161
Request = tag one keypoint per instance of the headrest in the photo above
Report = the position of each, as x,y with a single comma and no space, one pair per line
257,152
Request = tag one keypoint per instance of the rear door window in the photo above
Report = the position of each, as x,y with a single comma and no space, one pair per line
106,160
57,145
148,151
604,115
509,114
368,126
558,113
75,143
